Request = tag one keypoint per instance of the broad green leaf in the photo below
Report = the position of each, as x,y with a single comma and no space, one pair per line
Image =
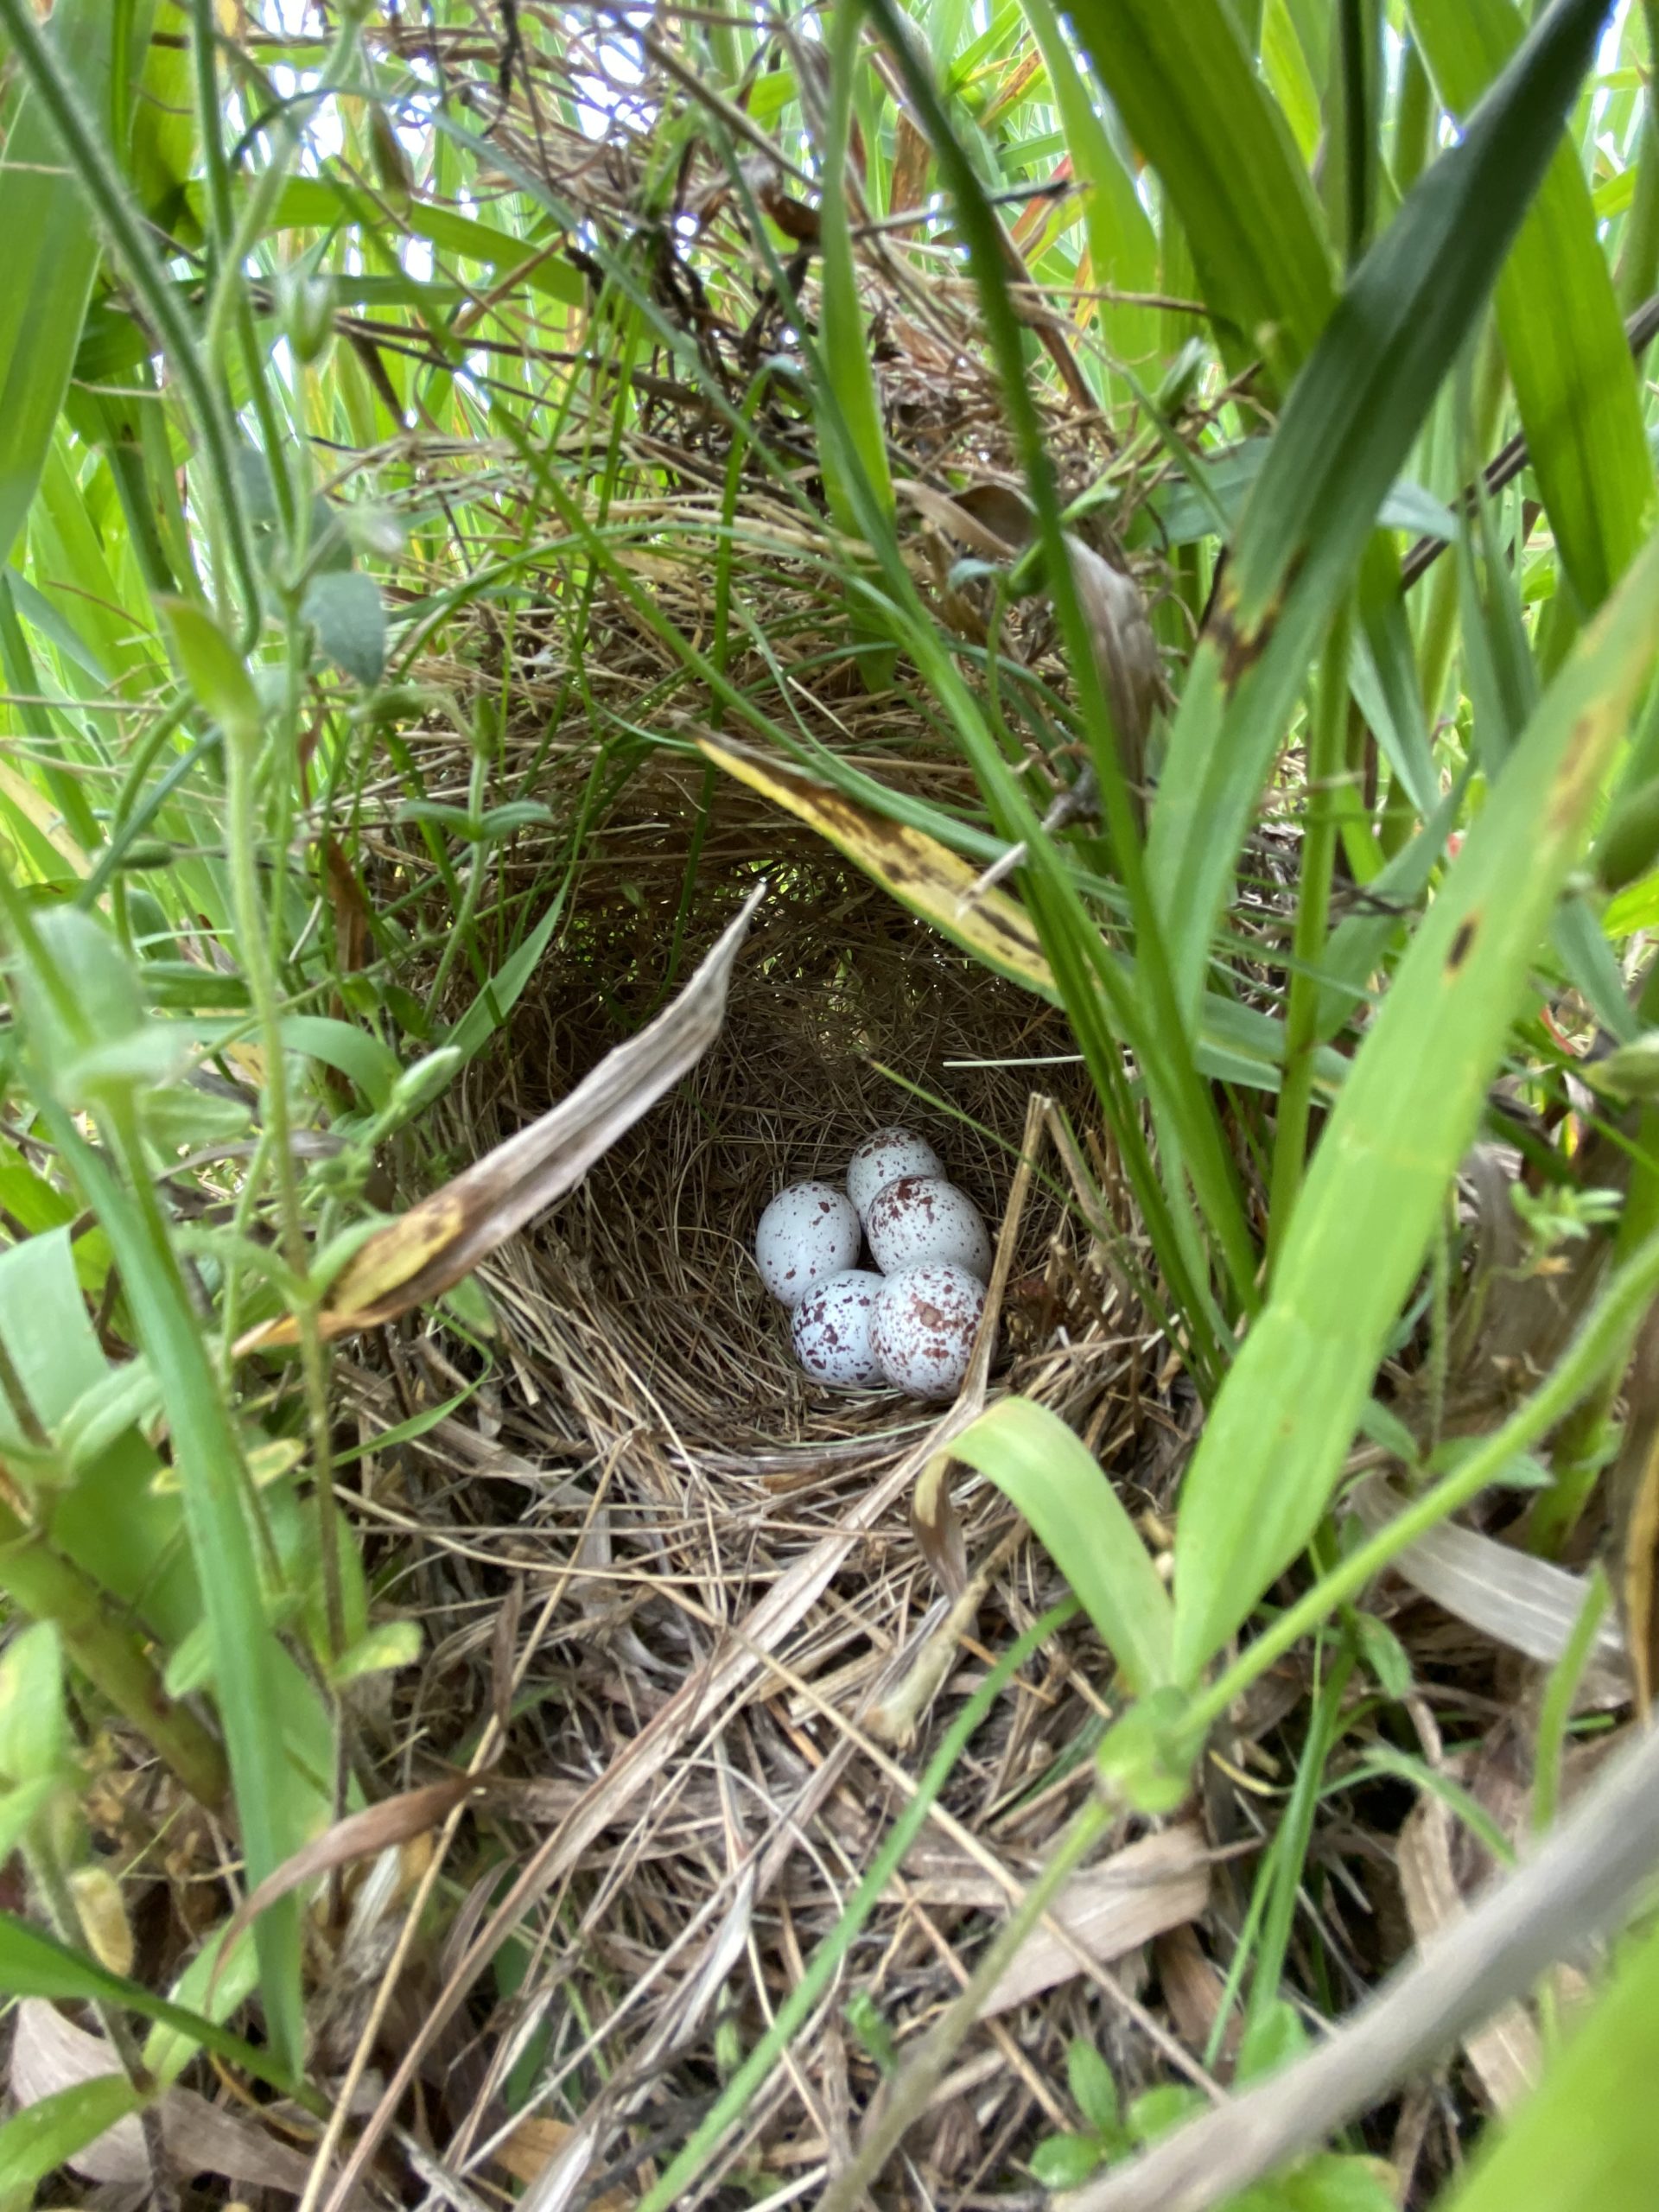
1282,1424
372,1066
350,616
1038,1462
1580,397
33,1732
48,2133
215,671
1346,430
52,253
21,1808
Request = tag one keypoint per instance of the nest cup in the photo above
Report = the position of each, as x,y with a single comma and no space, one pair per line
638,1291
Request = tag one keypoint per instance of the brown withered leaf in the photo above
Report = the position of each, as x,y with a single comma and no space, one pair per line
421,1254
1109,1909
530,2146
912,157
1505,2052
996,521
1527,1603
359,1835
353,935
50,2053
796,219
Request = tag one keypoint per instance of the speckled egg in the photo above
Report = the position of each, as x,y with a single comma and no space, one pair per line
922,1221
808,1233
924,1330
883,1159
831,1330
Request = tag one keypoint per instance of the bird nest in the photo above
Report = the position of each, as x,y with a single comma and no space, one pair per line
637,1295
706,1604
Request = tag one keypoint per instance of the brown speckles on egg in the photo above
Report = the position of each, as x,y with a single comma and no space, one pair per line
922,1221
883,1158
831,1330
924,1326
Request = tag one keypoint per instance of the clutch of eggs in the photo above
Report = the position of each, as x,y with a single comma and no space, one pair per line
912,1325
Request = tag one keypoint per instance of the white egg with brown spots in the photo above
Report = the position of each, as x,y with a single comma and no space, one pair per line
923,1332
922,1221
808,1233
830,1329
883,1159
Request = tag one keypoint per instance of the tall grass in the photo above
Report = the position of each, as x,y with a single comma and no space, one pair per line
1307,266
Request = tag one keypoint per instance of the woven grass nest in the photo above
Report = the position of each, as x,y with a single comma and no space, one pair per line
696,1576
639,1293
693,1577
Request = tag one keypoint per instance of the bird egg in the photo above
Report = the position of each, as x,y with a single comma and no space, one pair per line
831,1329
923,1333
882,1159
920,1221
808,1233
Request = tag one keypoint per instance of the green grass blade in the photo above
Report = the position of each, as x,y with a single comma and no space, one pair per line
48,2133
1589,2135
846,348
34,1964
1264,1469
1579,396
1186,89
246,1658
1045,1470
1342,438
1122,244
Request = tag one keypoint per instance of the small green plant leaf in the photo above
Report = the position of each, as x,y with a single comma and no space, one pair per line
1384,1655
34,1733
390,1645
1145,1760
1272,2037
1157,2112
1067,2161
344,607
1093,2086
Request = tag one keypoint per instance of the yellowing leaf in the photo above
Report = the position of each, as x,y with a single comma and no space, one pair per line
933,882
